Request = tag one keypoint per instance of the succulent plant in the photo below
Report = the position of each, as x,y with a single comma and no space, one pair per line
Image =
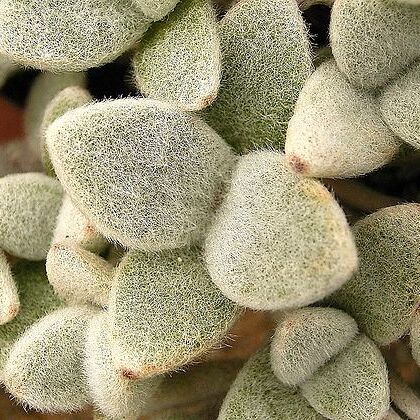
68,36
373,40
246,252
57,384
336,129
384,294
306,339
400,105
169,224
155,172
45,87
179,59
265,60
29,206
79,276
69,98
156,312
36,299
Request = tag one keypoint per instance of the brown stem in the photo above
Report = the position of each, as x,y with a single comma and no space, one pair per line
359,196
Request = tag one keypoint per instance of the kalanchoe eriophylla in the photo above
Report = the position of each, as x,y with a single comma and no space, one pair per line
65,35
336,129
278,240
340,372
147,174
374,40
256,394
179,59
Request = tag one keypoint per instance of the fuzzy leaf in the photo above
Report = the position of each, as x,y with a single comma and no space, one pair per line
179,59
36,299
336,130
165,312
79,276
257,394
373,40
29,206
307,339
64,35
352,386
266,60
400,106
385,292
278,241
146,174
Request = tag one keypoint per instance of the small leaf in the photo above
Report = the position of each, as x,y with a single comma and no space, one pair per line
352,386
143,172
278,241
385,292
373,40
165,312
179,58
307,339
45,366
266,60
79,276
256,394
336,130
29,206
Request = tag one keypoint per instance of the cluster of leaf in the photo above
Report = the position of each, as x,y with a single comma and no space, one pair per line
162,216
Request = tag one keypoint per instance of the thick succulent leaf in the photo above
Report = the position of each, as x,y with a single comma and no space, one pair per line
352,386
29,206
385,292
115,396
69,98
45,366
64,35
165,312
179,59
336,130
79,276
145,173
306,339
373,40
256,394
279,241
266,60
37,298
400,106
